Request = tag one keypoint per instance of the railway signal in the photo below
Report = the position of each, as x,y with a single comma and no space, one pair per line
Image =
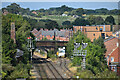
30,45
81,53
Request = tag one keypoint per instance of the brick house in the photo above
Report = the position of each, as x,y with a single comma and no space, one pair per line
94,32
34,12
113,54
117,34
62,35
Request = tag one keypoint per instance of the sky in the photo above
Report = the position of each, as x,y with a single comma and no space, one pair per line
87,4
60,0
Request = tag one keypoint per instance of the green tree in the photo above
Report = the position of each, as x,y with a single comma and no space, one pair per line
110,20
95,60
92,20
100,42
99,20
51,25
67,24
80,11
13,8
9,48
81,22
39,25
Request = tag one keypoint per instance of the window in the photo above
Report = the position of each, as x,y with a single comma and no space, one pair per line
93,34
96,28
112,59
117,35
100,29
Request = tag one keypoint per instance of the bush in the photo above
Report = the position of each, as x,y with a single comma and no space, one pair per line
20,71
51,55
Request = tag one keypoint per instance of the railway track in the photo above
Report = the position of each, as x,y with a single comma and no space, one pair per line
63,65
40,69
47,69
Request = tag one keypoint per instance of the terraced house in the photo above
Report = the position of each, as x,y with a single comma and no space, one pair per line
94,32
62,35
113,53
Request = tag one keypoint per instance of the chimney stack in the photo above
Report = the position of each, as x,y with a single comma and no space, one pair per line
13,31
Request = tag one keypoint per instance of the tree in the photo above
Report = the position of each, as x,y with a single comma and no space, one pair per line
66,23
110,20
102,11
13,8
9,48
39,25
80,11
100,42
95,60
81,22
51,25
99,20
91,19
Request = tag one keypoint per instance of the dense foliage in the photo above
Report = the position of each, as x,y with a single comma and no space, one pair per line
9,47
95,59
110,20
15,8
95,20
81,22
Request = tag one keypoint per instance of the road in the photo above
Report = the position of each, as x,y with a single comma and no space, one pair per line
52,70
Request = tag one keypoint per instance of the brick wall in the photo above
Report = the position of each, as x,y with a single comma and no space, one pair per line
13,36
107,27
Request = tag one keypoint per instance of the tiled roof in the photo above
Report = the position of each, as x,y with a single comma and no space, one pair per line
111,44
64,33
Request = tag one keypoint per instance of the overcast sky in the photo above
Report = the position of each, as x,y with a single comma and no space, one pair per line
60,0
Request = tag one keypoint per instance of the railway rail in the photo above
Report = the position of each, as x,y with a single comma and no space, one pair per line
47,69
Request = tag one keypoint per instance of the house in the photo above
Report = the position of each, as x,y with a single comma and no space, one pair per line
84,15
64,15
62,35
5,12
75,16
117,34
113,54
34,12
115,28
94,32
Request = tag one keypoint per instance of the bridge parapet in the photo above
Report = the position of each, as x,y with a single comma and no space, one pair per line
51,43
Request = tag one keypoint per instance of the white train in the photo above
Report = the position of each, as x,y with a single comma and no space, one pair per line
61,52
